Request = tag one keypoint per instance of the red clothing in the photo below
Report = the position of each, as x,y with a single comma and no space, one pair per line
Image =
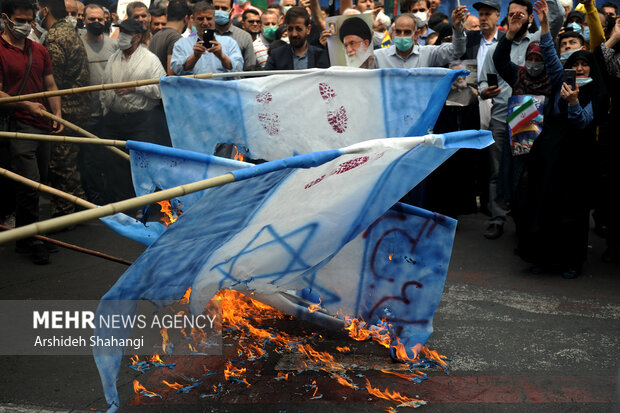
13,64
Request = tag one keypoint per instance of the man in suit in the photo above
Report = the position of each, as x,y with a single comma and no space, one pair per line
479,41
299,55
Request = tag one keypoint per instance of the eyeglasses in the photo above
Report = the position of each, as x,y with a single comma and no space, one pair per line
252,21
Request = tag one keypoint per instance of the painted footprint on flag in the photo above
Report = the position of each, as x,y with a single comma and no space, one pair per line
269,121
336,116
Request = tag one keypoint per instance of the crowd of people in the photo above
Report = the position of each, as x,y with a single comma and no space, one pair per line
548,173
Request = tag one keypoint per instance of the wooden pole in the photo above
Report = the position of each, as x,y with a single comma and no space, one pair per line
56,138
146,82
76,248
83,132
44,188
55,224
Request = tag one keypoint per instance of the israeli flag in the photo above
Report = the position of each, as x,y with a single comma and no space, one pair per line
275,117
296,224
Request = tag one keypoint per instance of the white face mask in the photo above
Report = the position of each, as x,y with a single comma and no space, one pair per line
20,30
377,38
360,56
124,41
72,20
423,16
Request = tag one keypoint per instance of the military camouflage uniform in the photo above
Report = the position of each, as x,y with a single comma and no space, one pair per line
70,64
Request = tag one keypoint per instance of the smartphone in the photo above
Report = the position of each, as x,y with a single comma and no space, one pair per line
570,76
207,37
492,79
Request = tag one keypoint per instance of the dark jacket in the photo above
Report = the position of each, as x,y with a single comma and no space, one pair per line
282,58
473,43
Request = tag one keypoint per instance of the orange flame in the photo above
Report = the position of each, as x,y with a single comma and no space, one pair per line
402,375
238,155
390,256
164,338
140,389
170,216
391,396
313,307
154,359
175,385
282,376
230,371
344,382
344,349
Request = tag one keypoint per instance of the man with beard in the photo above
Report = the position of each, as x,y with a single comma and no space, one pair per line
356,38
299,55
519,13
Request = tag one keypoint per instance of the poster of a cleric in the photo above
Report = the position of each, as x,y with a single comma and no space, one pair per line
351,41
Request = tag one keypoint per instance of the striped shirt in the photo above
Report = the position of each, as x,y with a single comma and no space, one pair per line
261,51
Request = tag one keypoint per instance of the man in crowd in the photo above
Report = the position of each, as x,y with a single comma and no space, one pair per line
80,14
406,53
251,23
99,48
520,14
25,67
162,43
241,6
569,41
158,19
72,10
133,112
421,10
70,65
192,56
224,27
300,54
138,11
363,5
610,9
472,23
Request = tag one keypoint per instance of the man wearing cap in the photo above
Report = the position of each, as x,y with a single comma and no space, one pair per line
407,54
356,37
520,14
479,41
132,112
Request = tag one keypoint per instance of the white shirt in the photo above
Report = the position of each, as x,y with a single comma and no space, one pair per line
484,48
142,64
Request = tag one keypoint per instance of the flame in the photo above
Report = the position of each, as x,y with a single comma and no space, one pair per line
238,155
232,372
322,357
433,355
155,359
185,298
391,396
344,382
282,376
170,215
175,385
359,330
402,375
313,307
390,256
316,388
344,349
140,389
164,338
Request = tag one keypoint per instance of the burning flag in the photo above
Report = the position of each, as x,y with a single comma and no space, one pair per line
276,117
286,225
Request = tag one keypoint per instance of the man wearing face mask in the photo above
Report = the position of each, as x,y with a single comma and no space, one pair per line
421,10
224,27
70,64
27,158
72,11
99,48
407,54
133,112
519,16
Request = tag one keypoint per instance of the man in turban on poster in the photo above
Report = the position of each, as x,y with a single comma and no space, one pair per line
356,37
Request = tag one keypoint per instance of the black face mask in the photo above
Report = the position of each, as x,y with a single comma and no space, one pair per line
95,29
108,26
80,24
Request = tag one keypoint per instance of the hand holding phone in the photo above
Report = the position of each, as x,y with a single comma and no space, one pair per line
492,79
207,37
570,77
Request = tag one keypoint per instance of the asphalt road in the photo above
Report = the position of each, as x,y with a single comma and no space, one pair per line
518,342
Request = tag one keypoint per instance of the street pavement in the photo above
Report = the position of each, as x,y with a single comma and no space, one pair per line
518,342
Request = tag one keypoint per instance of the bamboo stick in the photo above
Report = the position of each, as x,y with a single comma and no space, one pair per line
83,132
76,248
44,188
68,139
109,209
145,82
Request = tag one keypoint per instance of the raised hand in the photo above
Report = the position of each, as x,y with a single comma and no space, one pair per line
542,11
459,15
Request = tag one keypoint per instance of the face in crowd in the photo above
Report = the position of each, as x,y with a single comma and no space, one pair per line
297,32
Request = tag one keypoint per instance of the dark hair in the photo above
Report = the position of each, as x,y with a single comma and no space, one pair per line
276,44
297,12
571,33
9,6
201,6
526,3
177,10
436,19
325,9
135,5
57,8
406,5
157,11
249,11
610,4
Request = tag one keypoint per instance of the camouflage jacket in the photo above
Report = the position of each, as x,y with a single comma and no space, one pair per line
70,64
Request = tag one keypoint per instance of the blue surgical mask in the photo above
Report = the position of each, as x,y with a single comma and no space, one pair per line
403,43
586,34
564,56
39,19
582,81
221,17
576,27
